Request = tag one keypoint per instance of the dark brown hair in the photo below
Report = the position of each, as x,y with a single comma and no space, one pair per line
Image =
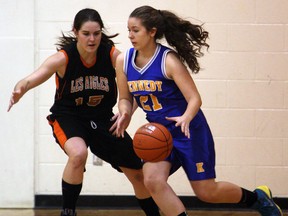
81,17
186,38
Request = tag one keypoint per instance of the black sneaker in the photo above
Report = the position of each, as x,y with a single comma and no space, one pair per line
68,212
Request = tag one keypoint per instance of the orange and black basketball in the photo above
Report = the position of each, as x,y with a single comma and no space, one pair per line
152,142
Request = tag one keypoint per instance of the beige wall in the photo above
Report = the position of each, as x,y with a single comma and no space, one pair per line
244,87
17,137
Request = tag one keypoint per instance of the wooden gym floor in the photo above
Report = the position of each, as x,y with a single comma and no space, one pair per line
94,212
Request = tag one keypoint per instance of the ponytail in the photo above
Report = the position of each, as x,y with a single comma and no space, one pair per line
186,38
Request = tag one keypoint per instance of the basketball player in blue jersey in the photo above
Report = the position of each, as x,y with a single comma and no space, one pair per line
86,93
159,81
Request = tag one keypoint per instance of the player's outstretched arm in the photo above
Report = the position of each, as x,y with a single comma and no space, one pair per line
52,64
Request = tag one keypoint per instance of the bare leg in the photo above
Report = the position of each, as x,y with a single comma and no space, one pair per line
77,152
142,194
216,192
136,179
155,179
73,173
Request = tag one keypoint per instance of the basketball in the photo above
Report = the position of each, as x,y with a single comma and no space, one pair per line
152,142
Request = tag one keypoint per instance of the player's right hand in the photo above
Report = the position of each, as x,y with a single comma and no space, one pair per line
15,97
122,123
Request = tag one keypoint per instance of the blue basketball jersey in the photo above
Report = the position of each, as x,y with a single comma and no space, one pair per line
154,92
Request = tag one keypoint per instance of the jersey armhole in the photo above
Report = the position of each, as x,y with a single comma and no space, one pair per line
125,62
111,53
163,68
66,56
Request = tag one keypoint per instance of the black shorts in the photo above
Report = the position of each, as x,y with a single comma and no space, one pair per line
116,151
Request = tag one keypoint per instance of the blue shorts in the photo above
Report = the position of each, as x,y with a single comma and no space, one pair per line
197,154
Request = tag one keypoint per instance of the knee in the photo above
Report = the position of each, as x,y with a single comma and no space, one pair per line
78,159
154,184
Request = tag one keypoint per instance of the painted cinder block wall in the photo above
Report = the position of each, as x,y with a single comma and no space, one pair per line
243,83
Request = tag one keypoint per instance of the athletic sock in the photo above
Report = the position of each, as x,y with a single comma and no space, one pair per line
70,195
149,206
248,197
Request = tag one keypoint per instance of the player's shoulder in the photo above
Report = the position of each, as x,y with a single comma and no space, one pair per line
172,57
61,57
121,58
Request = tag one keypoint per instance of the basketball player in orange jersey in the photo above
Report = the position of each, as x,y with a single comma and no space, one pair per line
81,115
162,86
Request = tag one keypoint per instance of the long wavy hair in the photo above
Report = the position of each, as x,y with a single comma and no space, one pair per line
185,37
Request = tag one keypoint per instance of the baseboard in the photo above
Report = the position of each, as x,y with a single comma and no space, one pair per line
126,202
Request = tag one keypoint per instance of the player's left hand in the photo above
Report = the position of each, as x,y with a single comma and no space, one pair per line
183,123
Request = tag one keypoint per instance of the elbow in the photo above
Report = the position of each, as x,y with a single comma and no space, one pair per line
199,101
